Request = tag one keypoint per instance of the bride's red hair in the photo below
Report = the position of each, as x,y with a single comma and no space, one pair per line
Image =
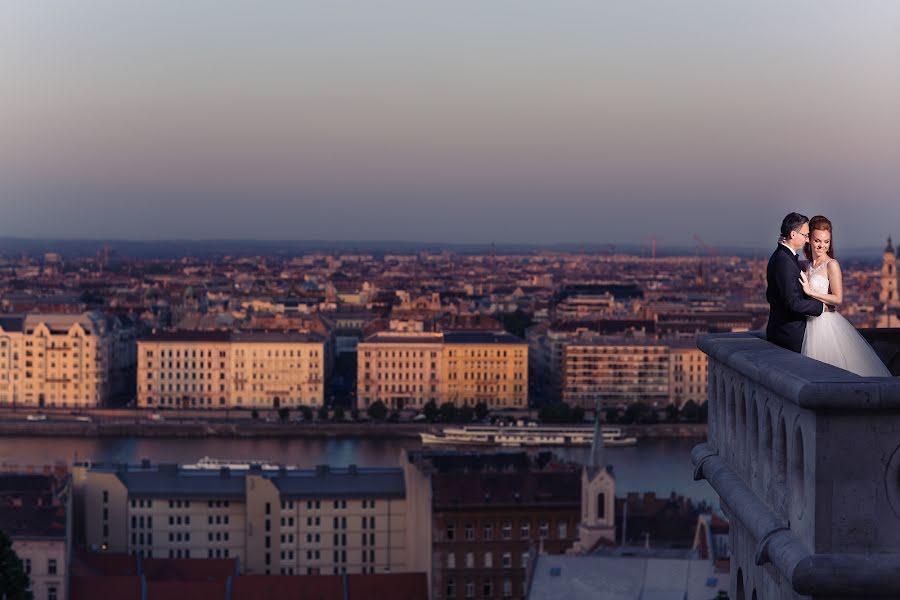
819,223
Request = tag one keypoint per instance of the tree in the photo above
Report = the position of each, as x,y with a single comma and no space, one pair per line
254,414
394,417
560,412
517,322
448,412
671,413
354,414
690,411
482,411
14,581
612,415
430,410
339,413
306,412
703,413
322,413
284,414
466,414
377,410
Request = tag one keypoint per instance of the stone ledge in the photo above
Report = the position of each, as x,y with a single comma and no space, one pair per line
798,379
853,575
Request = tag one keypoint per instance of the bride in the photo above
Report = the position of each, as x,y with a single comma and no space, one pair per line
830,338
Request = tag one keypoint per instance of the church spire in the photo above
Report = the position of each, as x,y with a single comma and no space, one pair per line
890,246
598,448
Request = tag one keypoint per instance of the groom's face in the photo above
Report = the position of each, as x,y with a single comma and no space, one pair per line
799,237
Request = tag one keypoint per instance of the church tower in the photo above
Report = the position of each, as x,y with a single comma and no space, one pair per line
888,296
598,497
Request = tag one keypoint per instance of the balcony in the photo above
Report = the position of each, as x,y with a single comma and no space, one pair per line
805,458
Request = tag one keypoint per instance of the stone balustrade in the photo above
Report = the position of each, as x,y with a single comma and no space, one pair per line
806,460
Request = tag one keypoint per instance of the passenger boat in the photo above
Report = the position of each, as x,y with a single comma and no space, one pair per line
516,436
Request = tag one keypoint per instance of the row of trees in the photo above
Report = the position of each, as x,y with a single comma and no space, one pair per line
637,412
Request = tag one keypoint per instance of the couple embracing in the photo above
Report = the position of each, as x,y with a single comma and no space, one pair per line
802,304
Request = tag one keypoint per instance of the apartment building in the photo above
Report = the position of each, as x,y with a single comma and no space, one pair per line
490,514
34,514
688,372
462,367
273,519
224,369
61,360
401,369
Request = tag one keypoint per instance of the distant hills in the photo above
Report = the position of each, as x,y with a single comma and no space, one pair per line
170,249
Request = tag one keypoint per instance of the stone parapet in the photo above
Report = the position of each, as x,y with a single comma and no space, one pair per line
806,460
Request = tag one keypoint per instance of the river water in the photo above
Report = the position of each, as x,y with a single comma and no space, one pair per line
653,465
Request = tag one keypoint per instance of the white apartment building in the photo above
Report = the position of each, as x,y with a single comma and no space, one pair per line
273,519
59,360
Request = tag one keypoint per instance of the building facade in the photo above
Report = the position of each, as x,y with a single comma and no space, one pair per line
221,369
59,360
34,513
617,371
274,520
462,367
489,516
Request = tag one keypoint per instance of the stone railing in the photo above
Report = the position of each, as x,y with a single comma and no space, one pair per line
805,458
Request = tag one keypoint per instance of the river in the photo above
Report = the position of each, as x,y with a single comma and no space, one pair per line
657,465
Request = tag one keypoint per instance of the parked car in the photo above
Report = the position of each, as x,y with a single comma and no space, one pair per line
84,419
155,417
36,418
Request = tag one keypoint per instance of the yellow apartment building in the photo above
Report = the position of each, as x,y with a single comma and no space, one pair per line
222,369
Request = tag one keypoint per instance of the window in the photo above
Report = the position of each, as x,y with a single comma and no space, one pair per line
51,566
451,588
470,589
526,531
507,531
507,560
488,532
51,593
27,566
488,560
507,588
544,529
524,563
601,506
488,589
451,560
470,560
562,530
470,532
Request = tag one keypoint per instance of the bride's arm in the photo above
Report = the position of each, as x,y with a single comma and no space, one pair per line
835,283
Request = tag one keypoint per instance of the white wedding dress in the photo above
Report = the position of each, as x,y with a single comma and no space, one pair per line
832,339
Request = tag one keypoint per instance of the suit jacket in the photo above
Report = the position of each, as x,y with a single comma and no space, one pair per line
788,305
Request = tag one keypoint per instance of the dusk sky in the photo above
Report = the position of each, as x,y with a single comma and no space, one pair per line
464,121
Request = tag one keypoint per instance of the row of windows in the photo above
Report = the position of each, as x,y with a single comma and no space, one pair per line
487,562
487,589
506,531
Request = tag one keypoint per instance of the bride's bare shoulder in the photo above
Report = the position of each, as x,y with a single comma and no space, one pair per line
833,266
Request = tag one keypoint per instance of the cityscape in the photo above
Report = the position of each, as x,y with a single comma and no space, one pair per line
503,389
395,300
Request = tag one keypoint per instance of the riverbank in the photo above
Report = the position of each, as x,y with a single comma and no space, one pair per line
251,429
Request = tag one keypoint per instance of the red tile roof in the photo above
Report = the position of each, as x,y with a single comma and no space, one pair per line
396,586
295,587
118,587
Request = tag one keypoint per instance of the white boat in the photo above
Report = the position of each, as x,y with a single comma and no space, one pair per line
517,436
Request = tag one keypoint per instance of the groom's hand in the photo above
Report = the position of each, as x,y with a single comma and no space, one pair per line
829,308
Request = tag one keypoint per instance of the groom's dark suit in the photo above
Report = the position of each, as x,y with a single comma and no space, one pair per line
788,305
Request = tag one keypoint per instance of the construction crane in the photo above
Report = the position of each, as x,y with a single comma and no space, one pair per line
708,248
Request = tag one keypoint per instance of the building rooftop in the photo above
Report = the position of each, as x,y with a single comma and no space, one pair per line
221,337
171,481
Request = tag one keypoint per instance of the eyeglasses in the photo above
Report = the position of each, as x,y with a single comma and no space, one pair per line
806,235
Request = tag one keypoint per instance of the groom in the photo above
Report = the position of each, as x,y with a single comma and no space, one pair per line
788,305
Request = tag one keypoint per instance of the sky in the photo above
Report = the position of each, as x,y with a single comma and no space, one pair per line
507,121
